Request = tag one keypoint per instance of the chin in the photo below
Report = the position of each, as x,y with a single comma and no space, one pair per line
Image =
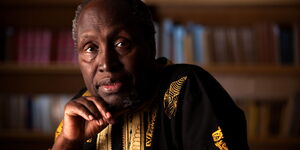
119,102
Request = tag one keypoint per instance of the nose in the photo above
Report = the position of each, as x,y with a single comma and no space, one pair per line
108,61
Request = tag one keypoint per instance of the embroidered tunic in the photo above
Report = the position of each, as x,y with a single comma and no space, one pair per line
191,111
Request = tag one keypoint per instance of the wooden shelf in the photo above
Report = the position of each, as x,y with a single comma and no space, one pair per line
33,79
36,13
223,2
241,81
25,134
257,80
160,2
275,143
68,69
72,69
36,69
25,140
262,70
230,15
36,140
56,3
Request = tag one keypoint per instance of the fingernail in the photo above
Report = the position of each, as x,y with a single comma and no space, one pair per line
91,117
100,122
108,115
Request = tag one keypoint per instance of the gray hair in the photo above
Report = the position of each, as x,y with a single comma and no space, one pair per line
139,11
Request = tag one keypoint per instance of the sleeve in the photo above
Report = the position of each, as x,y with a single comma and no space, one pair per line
209,117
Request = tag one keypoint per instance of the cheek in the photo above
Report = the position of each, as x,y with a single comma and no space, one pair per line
137,63
132,62
87,73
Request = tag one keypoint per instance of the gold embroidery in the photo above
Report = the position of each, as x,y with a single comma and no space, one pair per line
150,129
133,132
87,93
59,130
104,139
218,139
171,97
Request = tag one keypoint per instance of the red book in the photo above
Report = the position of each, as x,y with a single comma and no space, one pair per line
45,46
21,36
37,46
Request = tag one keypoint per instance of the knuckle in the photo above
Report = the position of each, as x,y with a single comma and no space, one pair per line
69,105
90,103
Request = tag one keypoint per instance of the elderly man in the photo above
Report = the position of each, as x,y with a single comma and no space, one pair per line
133,101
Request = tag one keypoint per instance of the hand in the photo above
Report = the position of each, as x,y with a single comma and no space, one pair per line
83,118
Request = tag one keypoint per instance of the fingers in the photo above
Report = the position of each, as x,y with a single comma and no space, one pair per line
102,109
74,108
90,108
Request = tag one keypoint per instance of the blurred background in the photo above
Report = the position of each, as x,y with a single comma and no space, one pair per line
252,47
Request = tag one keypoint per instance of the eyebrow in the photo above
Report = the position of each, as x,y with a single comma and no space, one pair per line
85,36
115,31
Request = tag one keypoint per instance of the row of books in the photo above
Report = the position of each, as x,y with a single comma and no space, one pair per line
36,46
272,117
40,113
261,43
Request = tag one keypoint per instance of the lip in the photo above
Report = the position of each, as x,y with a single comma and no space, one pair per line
111,87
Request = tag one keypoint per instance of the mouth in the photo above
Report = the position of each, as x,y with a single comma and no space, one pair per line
110,86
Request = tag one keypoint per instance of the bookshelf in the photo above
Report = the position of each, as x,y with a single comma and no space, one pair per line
25,140
258,81
55,78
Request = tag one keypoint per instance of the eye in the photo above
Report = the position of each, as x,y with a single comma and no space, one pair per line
89,51
90,48
123,46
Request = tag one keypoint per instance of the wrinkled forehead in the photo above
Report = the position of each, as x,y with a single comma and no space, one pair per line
106,12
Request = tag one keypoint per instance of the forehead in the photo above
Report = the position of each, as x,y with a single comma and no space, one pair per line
105,13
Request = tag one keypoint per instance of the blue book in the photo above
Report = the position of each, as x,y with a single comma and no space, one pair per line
166,38
179,33
197,32
286,45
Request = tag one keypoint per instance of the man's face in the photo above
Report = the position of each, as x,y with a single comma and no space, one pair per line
112,54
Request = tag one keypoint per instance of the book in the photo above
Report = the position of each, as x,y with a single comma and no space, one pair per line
188,46
220,45
2,44
264,118
286,44
253,119
44,51
234,45
178,44
294,128
197,35
296,29
42,112
167,29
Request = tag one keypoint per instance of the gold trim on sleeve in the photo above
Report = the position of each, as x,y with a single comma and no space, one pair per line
59,130
86,93
150,129
218,139
171,97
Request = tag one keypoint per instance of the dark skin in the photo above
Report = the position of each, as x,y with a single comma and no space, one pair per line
116,63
